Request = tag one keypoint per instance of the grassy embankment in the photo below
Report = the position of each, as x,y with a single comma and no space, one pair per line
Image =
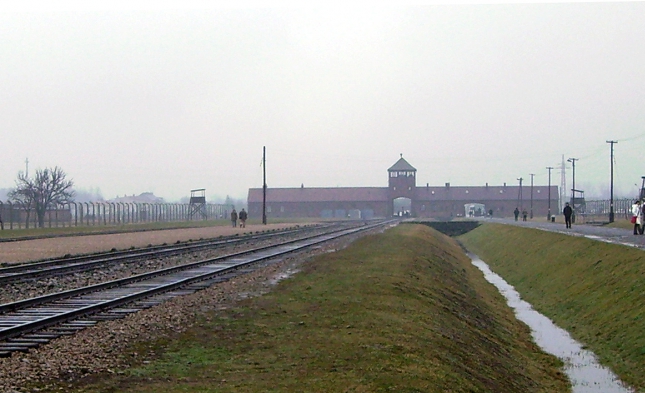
592,289
402,311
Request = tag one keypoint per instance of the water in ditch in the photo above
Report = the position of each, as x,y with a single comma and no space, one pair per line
581,366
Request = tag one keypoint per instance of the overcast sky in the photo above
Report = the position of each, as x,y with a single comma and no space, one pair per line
151,98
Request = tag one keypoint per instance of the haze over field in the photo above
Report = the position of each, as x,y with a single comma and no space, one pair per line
168,97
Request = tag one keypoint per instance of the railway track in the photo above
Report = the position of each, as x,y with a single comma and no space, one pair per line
31,322
67,265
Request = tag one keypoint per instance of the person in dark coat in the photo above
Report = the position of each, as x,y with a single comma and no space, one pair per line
517,213
568,212
243,217
234,218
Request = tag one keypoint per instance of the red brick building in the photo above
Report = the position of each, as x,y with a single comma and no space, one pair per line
402,196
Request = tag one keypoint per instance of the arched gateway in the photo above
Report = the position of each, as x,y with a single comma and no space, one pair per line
400,196
402,184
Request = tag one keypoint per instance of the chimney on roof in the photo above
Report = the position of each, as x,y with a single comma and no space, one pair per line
447,185
302,185
427,185
487,186
504,184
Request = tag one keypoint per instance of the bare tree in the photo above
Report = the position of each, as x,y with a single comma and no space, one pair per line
48,187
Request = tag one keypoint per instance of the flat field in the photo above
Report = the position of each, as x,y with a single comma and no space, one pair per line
38,244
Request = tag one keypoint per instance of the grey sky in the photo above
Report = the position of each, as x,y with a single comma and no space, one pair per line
166,100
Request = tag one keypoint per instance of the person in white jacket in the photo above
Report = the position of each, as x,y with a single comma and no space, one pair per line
637,213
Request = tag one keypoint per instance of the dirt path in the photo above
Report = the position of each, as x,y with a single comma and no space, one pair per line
30,250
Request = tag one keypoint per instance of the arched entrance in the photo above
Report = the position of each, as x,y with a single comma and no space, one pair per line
402,207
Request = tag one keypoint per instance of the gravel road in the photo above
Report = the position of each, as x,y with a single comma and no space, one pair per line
596,232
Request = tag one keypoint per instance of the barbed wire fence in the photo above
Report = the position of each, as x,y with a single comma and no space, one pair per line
74,214
598,210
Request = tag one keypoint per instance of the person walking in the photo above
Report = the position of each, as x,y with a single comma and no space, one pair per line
568,212
637,217
234,218
517,213
524,214
243,217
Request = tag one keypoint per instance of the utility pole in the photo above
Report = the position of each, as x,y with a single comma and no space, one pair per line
563,184
519,194
548,217
532,174
573,189
264,185
611,187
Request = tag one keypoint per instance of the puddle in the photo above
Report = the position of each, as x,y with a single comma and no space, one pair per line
581,366
281,276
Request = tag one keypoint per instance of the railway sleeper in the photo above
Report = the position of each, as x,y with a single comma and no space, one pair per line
107,316
29,340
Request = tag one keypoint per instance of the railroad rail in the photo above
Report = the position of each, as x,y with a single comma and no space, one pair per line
65,265
29,323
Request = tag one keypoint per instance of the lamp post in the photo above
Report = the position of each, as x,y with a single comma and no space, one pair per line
548,217
573,189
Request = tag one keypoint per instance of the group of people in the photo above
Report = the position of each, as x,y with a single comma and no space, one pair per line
516,212
242,216
637,216
567,212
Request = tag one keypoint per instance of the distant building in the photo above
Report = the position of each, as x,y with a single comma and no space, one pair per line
402,197
145,197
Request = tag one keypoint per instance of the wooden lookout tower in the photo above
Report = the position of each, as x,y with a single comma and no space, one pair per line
197,203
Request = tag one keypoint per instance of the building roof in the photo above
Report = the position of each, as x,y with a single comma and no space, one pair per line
402,165
146,197
320,194
465,194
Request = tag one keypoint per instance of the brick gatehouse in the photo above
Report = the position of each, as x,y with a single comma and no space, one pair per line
402,196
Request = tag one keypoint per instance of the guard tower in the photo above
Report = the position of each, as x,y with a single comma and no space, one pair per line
402,183
197,203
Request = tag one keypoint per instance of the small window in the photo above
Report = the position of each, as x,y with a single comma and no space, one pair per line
268,209
281,209
409,188
394,188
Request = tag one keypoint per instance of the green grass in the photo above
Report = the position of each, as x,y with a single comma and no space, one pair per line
402,311
592,289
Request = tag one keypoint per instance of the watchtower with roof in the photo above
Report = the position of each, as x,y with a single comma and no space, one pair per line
402,180
197,206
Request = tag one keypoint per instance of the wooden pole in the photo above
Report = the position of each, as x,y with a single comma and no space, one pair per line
264,187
